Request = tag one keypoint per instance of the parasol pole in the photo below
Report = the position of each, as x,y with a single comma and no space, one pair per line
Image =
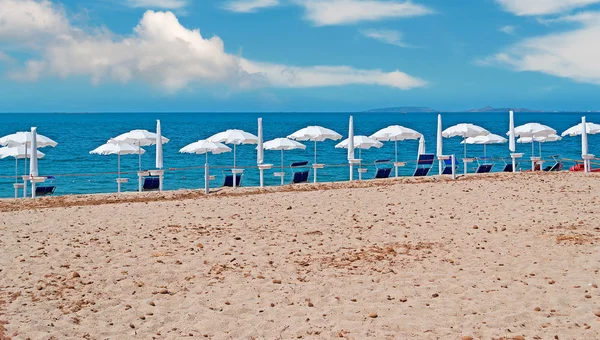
207,176
396,148
282,179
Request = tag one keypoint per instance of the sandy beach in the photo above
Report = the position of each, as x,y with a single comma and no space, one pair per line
503,256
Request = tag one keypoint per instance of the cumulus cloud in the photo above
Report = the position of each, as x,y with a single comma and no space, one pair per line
543,7
160,4
162,52
248,6
26,22
569,54
340,12
391,37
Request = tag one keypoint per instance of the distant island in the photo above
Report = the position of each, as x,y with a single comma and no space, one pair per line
504,109
403,109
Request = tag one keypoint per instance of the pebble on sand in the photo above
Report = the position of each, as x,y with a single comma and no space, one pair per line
373,315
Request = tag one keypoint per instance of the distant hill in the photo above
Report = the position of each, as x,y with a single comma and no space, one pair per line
491,109
404,109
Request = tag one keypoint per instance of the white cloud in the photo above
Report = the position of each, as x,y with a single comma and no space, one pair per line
543,7
160,4
248,6
571,54
508,29
162,52
5,58
22,21
319,76
340,12
391,37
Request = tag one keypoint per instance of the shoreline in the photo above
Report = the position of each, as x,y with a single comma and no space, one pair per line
12,204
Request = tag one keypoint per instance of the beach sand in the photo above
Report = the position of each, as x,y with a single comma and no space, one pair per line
503,256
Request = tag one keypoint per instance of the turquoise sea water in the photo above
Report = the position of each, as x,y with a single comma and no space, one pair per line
77,134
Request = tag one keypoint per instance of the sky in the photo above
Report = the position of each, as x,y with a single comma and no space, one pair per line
297,55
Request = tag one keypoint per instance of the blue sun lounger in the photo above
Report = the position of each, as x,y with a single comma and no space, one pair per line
383,168
424,164
228,180
448,167
508,167
151,183
484,165
299,176
45,190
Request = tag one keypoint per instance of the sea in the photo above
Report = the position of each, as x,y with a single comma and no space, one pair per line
76,171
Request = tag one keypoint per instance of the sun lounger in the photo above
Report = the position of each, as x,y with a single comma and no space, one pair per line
484,165
448,167
151,183
299,176
557,166
228,180
45,190
383,171
424,164
508,167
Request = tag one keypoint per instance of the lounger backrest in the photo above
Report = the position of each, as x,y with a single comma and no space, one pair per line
151,183
300,177
44,190
425,159
379,161
508,168
484,168
383,168
228,182
299,164
383,173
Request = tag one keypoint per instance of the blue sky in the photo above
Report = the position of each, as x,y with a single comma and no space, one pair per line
297,55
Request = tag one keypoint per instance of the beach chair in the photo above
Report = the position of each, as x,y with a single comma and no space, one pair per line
228,180
557,166
508,167
483,165
151,183
46,190
300,172
424,164
448,167
383,168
